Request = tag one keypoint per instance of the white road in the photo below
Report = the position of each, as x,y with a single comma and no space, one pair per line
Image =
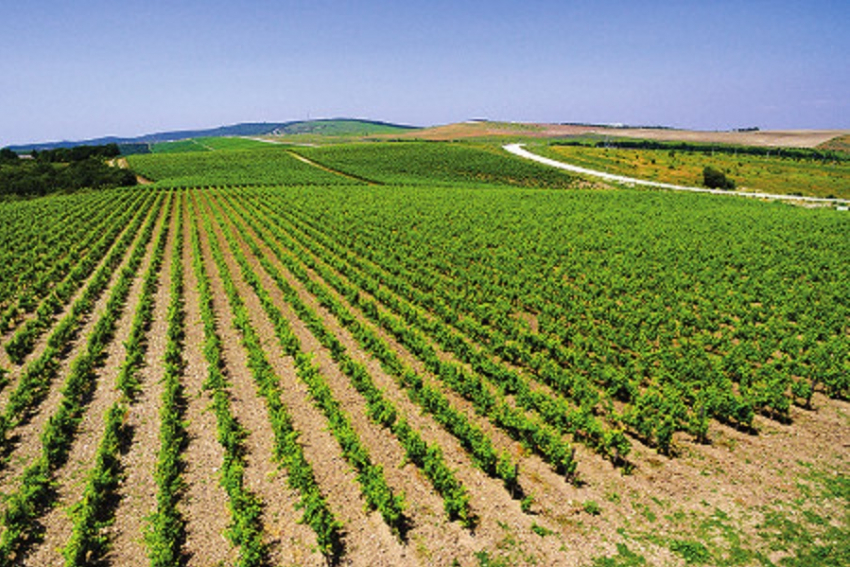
517,149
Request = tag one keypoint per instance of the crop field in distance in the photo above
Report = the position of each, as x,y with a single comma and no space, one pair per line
814,175
402,353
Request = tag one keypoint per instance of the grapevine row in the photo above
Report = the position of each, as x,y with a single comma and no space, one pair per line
370,476
23,341
537,435
245,531
62,249
35,495
617,322
34,381
476,442
289,453
428,458
579,422
32,244
94,512
167,528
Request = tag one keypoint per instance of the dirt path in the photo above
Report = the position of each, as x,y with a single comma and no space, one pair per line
123,164
317,165
518,150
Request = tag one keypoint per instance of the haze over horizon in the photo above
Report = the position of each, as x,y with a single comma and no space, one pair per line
72,71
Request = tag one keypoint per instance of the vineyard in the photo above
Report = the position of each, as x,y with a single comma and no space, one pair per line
314,356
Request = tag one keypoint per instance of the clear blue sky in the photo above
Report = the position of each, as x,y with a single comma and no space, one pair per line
72,70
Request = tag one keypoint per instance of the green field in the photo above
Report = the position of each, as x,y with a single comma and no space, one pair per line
342,128
428,163
421,353
207,145
267,164
177,147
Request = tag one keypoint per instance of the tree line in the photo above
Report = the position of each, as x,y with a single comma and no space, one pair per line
61,169
792,153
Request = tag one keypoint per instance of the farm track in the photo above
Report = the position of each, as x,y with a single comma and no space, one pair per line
317,165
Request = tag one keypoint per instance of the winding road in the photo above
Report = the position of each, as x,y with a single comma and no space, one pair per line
518,150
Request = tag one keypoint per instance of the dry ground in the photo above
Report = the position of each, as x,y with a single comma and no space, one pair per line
779,138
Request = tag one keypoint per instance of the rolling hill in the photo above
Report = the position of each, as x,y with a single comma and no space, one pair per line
333,126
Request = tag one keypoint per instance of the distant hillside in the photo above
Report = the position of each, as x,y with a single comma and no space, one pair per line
330,127
837,144
518,130
341,127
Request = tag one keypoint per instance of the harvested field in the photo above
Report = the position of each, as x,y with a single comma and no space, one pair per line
772,138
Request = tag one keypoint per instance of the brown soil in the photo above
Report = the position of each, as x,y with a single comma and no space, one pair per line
368,539
779,138
206,504
659,485
490,500
739,475
426,508
122,163
839,144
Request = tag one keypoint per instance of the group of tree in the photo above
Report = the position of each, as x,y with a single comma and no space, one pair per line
61,169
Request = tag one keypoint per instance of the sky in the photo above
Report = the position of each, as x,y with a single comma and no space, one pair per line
91,68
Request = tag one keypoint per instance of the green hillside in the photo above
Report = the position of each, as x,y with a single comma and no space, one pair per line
342,127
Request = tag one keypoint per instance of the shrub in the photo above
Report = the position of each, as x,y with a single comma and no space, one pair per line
716,179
